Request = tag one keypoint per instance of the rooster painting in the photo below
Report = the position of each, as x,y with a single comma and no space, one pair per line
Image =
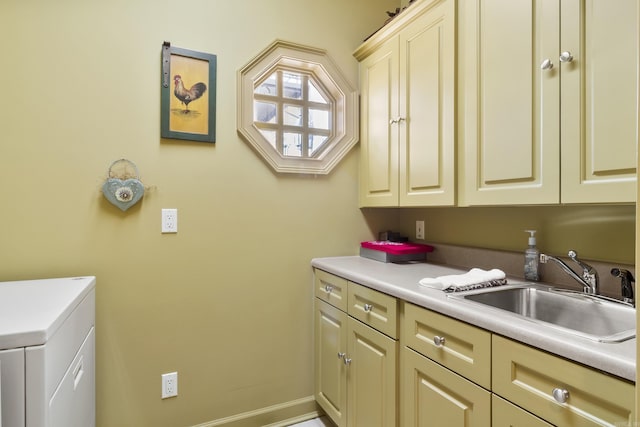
187,95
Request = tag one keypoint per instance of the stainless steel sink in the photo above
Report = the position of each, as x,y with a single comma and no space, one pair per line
578,313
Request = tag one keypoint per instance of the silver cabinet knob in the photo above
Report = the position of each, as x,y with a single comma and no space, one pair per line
347,361
560,395
546,64
439,341
566,56
341,355
396,120
368,308
328,288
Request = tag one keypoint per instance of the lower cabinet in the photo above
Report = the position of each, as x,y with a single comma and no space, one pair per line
434,396
448,372
356,364
506,414
558,390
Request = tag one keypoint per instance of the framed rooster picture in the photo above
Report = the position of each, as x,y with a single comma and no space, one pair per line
188,94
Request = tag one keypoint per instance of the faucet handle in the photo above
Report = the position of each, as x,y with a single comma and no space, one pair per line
589,274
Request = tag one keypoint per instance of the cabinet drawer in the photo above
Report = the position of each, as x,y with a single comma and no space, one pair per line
378,310
433,396
528,378
465,349
330,288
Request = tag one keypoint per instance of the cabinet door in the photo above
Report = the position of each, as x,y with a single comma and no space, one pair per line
371,377
433,396
427,95
509,125
379,137
506,414
330,370
599,100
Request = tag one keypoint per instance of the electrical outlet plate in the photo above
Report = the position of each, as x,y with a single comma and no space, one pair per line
169,385
420,230
169,220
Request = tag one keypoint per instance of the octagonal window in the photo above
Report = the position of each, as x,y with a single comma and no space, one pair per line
296,109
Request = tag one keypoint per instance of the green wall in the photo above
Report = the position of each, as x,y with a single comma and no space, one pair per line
227,301
603,233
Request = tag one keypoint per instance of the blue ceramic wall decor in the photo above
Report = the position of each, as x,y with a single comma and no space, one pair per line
123,187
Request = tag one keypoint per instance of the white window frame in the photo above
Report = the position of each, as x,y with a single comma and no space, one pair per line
315,63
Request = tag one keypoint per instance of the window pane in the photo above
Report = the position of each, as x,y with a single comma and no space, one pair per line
314,94
292,115
270,136
264,112
269,86
292,85
318,119
292,144
315,142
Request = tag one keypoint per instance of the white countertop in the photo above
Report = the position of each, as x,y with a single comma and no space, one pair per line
31,311
401,281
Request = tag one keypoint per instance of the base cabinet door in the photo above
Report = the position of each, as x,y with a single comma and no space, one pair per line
371,377
355,370
330,371
433,396
506,414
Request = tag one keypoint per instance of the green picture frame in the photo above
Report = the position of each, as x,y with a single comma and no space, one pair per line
188,95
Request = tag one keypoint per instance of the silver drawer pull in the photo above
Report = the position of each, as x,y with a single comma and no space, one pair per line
439,341
368,308
341,355
347,361
560,395
328,288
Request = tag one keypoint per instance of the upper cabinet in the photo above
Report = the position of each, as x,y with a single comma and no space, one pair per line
599,100
547,101
538,98
407,82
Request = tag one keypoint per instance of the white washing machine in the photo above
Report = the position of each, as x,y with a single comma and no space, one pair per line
47,353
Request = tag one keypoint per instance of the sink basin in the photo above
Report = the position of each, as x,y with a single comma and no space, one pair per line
580,314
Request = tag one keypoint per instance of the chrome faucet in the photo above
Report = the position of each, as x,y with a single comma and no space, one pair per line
589,279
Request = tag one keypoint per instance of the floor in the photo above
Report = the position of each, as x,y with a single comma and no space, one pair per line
316,422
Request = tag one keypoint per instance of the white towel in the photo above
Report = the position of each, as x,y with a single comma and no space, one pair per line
474,278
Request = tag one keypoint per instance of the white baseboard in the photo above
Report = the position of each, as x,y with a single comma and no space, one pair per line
281,415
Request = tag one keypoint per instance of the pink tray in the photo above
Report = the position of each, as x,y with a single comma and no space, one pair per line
397,248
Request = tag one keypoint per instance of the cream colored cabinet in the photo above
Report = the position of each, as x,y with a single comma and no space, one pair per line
548,101
557,390
433,396
599,100
440,358
506,414
458,346
330,326
407,82
356,363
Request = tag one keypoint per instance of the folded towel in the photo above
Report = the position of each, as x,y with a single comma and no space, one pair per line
473,279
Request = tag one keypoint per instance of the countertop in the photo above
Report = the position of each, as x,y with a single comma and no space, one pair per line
401,281
31,311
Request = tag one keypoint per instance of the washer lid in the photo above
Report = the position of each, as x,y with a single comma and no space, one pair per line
31,311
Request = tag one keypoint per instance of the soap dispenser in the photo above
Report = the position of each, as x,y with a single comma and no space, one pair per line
531,258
